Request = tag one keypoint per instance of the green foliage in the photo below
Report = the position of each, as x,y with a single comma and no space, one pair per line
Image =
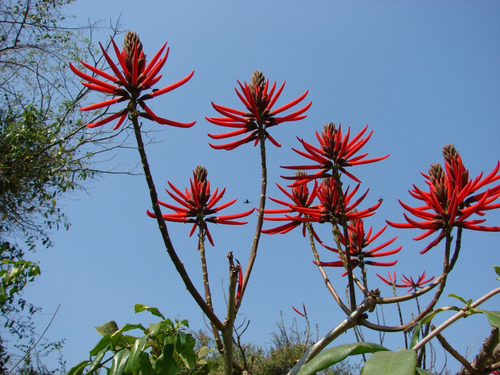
164,348
36,169
391,363
337,354
14,275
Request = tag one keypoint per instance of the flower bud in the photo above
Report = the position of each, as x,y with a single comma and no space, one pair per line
201,173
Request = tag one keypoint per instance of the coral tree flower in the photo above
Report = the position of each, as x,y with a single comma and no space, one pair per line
330,210
197,205
301,197
259,100
128,83
335,151
407,282
359,241
451,200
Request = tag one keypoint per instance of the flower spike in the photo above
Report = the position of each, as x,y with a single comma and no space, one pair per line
128,83
258,100
335,151
198,205
451,199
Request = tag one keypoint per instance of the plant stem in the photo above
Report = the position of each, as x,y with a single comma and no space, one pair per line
206,283
340,193
351,321
461,314
260,217
328,284
179,266
227,332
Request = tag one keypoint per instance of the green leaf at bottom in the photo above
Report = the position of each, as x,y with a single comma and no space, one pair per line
337,354
391,363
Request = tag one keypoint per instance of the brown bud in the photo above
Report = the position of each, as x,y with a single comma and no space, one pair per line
130,42
257,79
436,172
201,173
330,128
450,153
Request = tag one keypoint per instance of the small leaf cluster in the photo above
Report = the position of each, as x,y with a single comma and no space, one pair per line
165,348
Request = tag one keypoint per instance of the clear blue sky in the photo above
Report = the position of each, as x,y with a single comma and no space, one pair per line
421,74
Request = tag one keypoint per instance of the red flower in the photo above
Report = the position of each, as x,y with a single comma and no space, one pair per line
198,204
127,84
336,151
451,199
301,197
302,313
330,210
413,285
259,101
392,279
358,242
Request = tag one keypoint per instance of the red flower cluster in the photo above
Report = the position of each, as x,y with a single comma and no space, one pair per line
329,209
359,240
301,197
408,282
259,100
127,84
452,199
336,151
198,204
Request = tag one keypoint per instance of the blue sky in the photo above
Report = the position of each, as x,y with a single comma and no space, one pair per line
421,74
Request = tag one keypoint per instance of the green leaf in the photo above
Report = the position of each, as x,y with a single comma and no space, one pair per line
493,317
98,358
107,328
497,270
391,363
104,343
458,297
184,346
134,364
423,372
337,354
146,368
78,369
204,351
119,362
415,337
153,310
165,364
427,319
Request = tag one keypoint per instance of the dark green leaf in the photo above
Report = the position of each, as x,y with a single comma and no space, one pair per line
107,328
165,364
97,360
78,369
497,270
119,362
185,348
134,364
153,310
104,343
391,363
337,354
146,367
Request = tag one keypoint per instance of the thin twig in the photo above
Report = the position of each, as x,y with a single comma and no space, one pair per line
37,341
